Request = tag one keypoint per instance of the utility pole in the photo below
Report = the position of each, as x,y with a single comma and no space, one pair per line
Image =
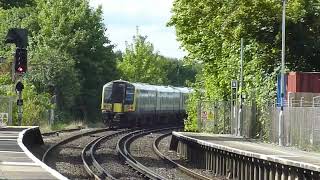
19,88
240,115
281,115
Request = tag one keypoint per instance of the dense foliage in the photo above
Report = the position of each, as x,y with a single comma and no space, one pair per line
70,58
7,4
211,31
69,55
140,63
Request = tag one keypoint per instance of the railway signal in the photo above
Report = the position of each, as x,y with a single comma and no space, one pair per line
20,65
19,37
19,88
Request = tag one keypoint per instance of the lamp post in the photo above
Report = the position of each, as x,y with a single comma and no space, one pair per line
281,115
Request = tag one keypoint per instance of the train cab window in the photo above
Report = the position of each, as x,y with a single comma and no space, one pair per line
107,94
118,90
129,95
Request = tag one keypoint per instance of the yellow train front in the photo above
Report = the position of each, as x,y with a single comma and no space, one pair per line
126,104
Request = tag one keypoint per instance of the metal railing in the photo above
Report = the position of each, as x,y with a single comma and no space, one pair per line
301,126
301,121
6,104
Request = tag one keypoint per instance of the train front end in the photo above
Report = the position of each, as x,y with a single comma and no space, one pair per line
117,103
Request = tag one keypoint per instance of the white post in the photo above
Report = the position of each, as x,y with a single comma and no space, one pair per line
281,115
240,119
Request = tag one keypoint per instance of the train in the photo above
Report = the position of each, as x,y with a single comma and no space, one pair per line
128,104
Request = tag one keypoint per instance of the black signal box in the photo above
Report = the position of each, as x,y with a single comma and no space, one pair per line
19,102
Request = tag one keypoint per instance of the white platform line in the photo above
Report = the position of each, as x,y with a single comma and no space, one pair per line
8,140
36,160
13,152
18,163
15,137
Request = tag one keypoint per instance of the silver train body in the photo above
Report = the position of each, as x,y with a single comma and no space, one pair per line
126,104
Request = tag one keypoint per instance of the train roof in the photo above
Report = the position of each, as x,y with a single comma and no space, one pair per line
145,86
184,89
149,87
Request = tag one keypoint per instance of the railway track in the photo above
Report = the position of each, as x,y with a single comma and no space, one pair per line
90,161
147,163
122,148
65,155
173,163
98,155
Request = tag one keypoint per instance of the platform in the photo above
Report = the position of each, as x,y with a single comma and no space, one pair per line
250,151
16,162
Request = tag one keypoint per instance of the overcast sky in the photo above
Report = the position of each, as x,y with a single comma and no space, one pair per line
122,16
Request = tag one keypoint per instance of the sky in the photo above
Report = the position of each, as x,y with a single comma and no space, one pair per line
121,18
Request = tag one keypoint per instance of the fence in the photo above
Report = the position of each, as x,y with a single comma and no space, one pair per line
222,117
6,103
301,125
214,117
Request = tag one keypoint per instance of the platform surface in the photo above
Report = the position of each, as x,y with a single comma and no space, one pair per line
14,162
270,152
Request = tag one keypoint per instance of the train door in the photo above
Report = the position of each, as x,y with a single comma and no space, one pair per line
118,93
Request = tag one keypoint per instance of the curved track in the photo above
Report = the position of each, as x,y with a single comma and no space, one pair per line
99,155
45,156
123,148
182,168
91,164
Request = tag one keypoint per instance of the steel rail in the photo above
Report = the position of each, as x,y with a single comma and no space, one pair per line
86,163
45,155
179,166
92,146
123,145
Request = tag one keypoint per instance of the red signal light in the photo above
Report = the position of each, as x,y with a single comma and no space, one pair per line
20,61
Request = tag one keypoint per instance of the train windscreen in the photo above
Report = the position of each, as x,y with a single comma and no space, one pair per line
118,91
107,94
129,95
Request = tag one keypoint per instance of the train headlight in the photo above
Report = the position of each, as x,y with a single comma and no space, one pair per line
129,108
107,107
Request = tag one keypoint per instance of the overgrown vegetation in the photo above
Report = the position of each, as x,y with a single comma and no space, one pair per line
70,59
69,56
140,63
211,31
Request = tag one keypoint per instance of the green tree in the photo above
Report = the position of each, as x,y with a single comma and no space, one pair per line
211,31
141,64
6,4
55,74
78,35
180,73
68,52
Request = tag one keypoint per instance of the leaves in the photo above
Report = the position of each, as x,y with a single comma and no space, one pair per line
211,31
141,64
69,54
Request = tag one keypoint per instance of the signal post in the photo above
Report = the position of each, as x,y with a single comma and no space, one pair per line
19,37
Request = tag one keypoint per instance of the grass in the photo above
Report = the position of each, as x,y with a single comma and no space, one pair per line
62,125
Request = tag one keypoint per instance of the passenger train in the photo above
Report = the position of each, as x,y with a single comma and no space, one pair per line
126,104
